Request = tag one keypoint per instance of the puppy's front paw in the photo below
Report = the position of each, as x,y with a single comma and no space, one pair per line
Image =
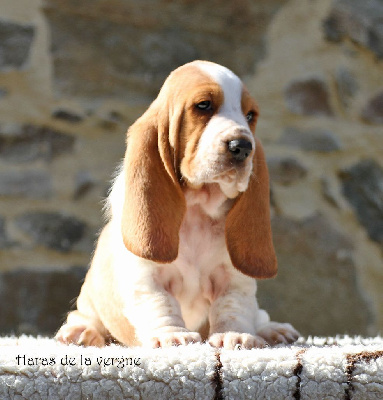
275,333
167,339
232,340
81,335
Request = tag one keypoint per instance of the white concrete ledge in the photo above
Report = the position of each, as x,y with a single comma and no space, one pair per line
333,368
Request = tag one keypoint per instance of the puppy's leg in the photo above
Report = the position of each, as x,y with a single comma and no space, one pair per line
233,316
238,323
157,318
274,332
82,326
153,311
82,330
236,319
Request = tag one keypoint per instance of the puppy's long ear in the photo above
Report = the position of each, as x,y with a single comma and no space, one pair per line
248,229
154,203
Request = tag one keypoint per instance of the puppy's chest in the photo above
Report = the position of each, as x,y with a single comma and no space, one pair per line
201,268
202,239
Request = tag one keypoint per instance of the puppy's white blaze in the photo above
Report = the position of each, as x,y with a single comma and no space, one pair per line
227,124
232,91
230,83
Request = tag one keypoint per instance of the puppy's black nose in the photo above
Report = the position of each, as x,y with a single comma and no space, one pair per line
240,149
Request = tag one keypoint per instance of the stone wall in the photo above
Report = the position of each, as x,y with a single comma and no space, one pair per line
74,76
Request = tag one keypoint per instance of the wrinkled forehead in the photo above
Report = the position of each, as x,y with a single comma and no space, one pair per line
199,75
230,84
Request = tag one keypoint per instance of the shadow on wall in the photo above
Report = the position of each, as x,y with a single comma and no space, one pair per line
316,289
132,46
37,302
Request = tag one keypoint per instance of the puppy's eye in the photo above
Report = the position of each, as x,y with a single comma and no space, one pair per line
204,105
250,116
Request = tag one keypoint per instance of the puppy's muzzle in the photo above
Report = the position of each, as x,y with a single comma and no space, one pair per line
240,149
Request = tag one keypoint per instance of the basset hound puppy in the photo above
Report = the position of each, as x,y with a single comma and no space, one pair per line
189,225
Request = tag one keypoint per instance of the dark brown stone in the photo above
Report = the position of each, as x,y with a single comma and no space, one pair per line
25,143
285,170
68,116
54,230
319,140
373,111
308,97
15,44
4,241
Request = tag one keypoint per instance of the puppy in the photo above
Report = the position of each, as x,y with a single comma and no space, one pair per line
189,226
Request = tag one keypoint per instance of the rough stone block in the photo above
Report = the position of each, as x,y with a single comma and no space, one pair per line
67,115
308,96
363,188
36,302
29,183
373,111
4,242
25,143
15,44
285,170
54,230
361,21
310,140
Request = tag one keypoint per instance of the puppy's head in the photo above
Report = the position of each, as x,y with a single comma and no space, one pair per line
199,130
215,118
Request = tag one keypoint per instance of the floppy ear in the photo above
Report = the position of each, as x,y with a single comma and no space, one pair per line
154,203
248,230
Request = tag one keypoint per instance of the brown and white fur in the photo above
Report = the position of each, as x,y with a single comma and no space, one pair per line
189,226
